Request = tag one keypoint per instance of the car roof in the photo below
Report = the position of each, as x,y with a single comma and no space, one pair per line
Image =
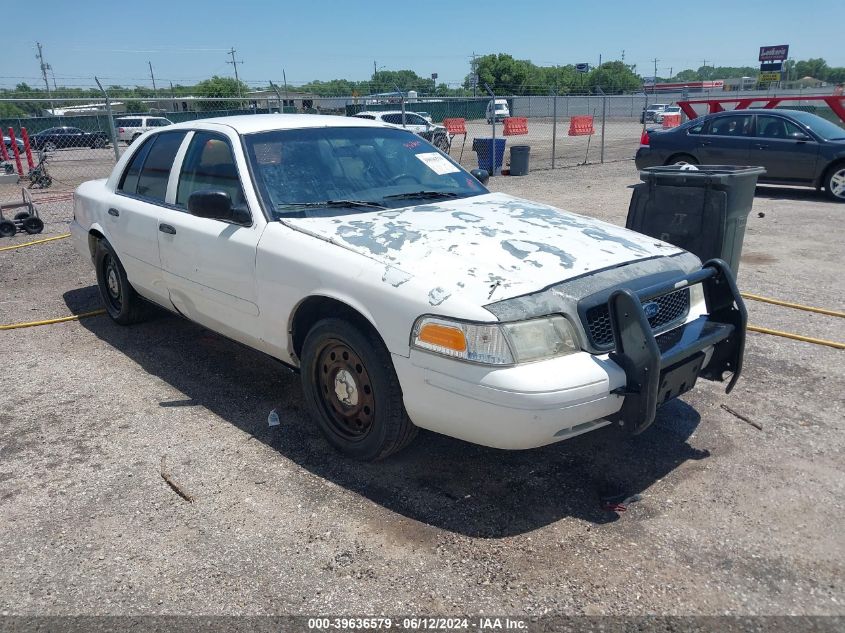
252,123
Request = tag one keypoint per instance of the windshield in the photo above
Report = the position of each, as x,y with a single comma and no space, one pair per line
824,128
338,170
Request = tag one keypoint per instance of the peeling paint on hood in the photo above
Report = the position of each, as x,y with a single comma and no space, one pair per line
493,245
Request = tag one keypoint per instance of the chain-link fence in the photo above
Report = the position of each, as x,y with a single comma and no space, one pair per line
53,145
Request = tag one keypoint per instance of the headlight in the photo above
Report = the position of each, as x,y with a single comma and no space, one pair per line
494,343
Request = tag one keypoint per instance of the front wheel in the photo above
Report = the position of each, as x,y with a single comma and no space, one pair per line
352,391
99,143
121,301
442,143
50,146
834,182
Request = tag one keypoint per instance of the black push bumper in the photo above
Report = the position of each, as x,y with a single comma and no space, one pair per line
658,368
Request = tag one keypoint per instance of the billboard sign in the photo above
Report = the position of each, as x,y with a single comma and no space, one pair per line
774,53
582,68
771,67
769,77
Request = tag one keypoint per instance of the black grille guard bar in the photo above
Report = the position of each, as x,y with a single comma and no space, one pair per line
644,357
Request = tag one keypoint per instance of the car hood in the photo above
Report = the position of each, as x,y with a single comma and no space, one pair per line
484,248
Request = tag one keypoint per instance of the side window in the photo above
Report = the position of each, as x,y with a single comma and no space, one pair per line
776,127
152,183
695,129
395,119
209,164
129,181
414,119
736,125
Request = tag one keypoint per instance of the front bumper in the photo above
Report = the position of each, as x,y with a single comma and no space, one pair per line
660,368
534,404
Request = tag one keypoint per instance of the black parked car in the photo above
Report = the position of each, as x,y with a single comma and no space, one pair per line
796,148
61,137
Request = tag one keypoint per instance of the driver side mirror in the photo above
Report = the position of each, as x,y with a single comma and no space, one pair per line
216,205
800,136
481,175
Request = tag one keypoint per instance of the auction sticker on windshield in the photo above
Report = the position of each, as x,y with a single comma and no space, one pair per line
437,163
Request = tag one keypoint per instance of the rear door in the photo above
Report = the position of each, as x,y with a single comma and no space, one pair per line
726,140
785,150
209,265
131,222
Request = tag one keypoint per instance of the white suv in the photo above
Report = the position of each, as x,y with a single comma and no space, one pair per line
414,122
130,128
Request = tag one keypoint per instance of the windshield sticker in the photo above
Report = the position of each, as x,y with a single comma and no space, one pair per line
437,163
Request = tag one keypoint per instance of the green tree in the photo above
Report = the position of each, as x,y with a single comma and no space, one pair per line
218,88
615,78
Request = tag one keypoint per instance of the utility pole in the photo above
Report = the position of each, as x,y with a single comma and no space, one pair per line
703,67
235,63
374,69
153,77
285,79
623,55
173,96
44,68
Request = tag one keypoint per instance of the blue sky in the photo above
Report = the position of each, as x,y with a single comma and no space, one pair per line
325,39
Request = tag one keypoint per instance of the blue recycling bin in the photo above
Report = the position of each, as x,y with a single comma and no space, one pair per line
484,148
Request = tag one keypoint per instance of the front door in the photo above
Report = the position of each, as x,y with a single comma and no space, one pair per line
785,150
209,265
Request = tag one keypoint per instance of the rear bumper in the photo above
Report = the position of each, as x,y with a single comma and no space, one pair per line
647,157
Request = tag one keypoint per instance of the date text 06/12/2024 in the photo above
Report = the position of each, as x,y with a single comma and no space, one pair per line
418,623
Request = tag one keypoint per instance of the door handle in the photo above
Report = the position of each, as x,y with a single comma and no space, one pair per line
760,146
703,143
166,228
114,212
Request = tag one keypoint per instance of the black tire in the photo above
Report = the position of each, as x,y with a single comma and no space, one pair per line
7,228
682,159
32,225
442,143
121,301
371,422
834,182
22,215
99,143
50,146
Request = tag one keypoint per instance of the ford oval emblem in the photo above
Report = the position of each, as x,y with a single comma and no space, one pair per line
651,309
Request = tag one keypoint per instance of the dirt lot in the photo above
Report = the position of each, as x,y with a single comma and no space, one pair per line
732,519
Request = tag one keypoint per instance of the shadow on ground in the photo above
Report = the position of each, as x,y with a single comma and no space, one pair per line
772,192
438,481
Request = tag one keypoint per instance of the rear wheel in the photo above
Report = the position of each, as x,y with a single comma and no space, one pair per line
49,146
121,301
682,159
442,143
352,391
834,182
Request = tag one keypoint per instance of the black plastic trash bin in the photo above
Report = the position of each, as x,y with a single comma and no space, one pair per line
519,159
703,211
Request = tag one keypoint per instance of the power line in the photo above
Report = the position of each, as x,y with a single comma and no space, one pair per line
235,63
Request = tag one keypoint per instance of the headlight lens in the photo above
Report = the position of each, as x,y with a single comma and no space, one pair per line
493,343
540,338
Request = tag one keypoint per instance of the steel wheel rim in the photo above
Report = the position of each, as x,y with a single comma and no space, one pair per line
50,147
345,391
112,279
837,183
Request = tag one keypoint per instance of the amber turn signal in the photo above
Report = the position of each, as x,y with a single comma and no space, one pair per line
443,336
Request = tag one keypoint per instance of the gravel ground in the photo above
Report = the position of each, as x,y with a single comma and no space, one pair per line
732,520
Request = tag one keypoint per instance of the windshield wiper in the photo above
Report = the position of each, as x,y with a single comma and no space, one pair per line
325,204
422,194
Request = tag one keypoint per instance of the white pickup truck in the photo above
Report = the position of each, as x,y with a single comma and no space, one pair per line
403,291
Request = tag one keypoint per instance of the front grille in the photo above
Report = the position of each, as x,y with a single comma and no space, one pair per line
674,306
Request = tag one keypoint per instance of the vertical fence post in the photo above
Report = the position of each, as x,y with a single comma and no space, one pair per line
554,127
603,120
111,121
494,164
279,97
